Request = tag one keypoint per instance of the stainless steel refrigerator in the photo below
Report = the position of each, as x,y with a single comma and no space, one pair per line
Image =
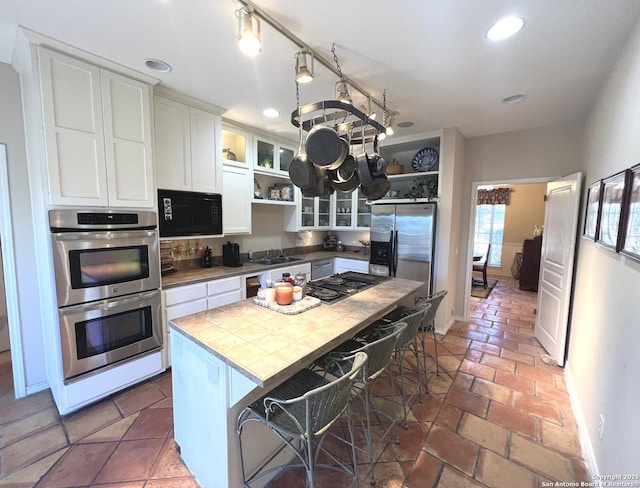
403,240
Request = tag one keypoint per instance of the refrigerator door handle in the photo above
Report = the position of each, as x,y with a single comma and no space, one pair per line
395,253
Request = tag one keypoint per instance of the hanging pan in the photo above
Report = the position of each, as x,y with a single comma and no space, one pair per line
377,189
324,146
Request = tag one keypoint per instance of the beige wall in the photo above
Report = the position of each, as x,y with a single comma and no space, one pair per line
524,212
605,333
539,154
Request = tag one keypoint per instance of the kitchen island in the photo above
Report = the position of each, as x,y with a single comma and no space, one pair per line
225,358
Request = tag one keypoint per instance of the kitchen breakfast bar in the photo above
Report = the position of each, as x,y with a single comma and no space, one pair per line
225,358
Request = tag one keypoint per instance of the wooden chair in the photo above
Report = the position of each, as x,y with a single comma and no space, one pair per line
481,265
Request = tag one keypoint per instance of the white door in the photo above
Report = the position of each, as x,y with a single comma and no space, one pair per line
556,264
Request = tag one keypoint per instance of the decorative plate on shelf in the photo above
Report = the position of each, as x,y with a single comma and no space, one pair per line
425,159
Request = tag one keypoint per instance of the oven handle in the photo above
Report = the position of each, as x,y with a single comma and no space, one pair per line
110,303
74,236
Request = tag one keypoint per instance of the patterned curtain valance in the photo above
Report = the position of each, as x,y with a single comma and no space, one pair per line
497,196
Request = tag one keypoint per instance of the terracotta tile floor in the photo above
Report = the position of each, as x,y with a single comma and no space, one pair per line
496,416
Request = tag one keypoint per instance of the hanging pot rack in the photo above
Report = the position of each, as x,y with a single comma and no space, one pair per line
341,116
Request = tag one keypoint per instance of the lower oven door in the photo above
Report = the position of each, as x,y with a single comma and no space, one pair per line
98,334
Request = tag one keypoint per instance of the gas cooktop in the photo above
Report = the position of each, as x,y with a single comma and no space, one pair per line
336,287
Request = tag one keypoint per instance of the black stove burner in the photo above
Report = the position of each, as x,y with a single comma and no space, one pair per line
333,280
334,288
324,293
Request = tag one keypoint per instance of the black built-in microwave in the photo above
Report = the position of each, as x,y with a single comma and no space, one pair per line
189,213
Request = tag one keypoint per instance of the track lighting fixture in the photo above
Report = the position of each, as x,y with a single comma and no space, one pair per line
304,73
342,92
249,37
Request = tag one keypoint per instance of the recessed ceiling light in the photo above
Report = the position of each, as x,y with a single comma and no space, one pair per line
270,113
404,125
505,28
157,65
514,98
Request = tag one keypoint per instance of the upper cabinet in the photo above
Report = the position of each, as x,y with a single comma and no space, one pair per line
97,128
309,213
351,211
271,173
272,157
236,147
187,142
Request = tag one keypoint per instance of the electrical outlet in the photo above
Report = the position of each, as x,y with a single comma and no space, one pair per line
601,426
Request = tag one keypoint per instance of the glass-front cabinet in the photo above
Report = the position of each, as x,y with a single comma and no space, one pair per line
236,146
311,213
272,156
351,211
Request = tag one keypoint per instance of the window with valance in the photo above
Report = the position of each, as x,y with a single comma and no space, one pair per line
495,196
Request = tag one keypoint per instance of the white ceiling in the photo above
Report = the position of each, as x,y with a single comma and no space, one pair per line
430,55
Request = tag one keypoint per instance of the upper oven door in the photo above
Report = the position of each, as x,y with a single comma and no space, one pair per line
97,265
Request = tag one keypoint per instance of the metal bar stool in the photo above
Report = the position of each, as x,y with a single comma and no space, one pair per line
407,342
379,354
300,412
430,326
427,326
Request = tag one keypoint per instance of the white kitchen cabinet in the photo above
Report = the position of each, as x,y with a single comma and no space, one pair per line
345,264
293,269
272,156
236,146
97,128
198,297
310,213
351,211
187,142
224,291
178,302
236,199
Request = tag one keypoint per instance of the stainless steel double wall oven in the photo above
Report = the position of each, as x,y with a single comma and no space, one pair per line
107,282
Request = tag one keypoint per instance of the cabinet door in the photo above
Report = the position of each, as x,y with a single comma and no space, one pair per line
74,135
276,274
206,173
344,264
236,200
127,139
343,212
362,210
173,145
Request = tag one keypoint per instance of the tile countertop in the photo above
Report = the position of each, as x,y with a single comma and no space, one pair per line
189,276
267,346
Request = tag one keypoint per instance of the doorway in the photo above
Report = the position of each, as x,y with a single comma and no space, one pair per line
513,235
9,282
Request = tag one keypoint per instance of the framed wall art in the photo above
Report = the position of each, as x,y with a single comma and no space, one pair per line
630,245
592,217
611,205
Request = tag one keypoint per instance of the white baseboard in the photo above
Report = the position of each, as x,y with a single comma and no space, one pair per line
583,432
43,385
